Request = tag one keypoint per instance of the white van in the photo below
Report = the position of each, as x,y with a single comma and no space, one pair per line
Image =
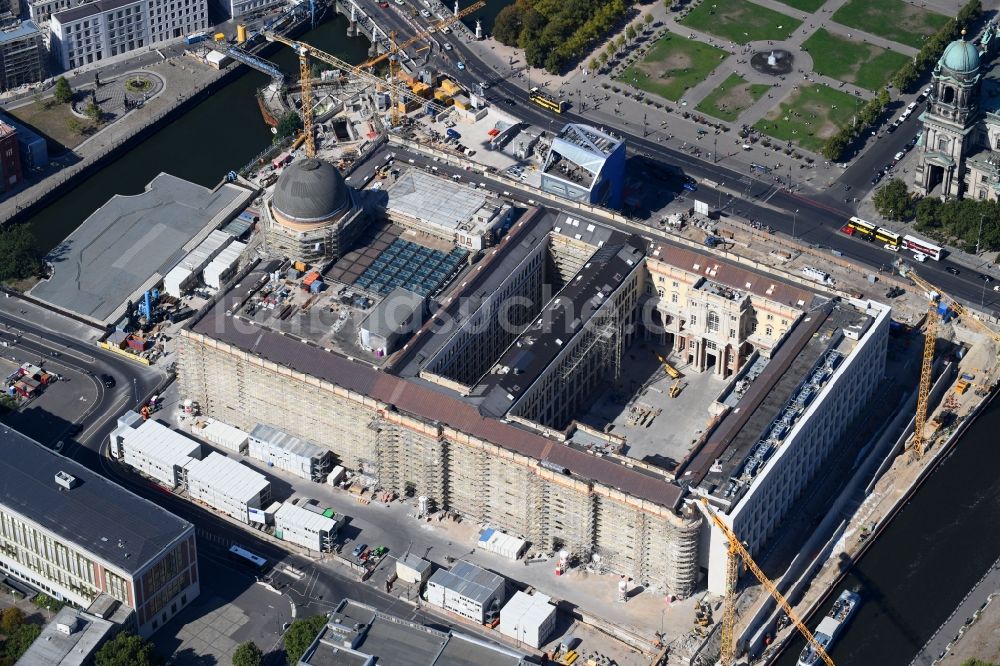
919,256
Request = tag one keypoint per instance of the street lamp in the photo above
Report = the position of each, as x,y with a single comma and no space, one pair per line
980,237
795,218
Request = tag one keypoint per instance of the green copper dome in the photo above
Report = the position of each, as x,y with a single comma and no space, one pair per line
961,57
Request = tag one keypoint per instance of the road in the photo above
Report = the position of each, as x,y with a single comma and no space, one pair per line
815,219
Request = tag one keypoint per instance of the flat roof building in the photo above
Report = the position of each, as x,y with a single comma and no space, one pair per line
445,209
528,619
359,635
398,315
126,246
153,449
468,590
228,486
585,164
306,528
70,639
87,33
75,535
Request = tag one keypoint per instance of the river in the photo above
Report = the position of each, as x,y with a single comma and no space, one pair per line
223,132
925,562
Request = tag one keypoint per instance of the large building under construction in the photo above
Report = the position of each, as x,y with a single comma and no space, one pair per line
528,396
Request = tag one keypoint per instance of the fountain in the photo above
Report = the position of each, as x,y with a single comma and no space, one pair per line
776,62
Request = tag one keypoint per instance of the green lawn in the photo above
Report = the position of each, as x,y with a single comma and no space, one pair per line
892,19
866,65
740,21
809,116
808,6
673,65
730,99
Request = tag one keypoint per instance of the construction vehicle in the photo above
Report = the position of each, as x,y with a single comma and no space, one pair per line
935,306
396,49
738,551
670,370
676,388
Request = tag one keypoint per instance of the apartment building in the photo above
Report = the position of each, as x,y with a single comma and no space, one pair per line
10,157
106,28
76,535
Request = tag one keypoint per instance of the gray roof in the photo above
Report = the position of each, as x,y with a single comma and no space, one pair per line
470,581
310,190
283,440
394,315
129,243
55,648
97,516
91,9
390,640
436,201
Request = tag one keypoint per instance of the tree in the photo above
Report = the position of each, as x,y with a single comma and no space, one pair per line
289,124
893,201
74,125
508,24
19,641
603,58
127,649
648,19
11,619
977,662
93,112
630,32
248,654
19,258
835,146
300,636
620,42
593,64
62,93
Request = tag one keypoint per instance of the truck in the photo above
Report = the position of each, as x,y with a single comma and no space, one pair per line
196,37
452,134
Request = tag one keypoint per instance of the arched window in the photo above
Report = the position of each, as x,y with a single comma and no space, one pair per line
713,322
949,95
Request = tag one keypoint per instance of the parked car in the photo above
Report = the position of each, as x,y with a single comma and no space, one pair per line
59,446
360,548
109,381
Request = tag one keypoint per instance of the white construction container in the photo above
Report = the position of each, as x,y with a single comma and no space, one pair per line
223,266
279,449
467,590
502,544
413,569
222,435
528,619
206,251
178,281
227,486
154,449
336,475
303,527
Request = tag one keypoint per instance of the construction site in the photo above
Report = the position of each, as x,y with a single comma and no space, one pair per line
644,406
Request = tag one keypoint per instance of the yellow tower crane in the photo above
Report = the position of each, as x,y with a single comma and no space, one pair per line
934,295
305,51
395,49
736,548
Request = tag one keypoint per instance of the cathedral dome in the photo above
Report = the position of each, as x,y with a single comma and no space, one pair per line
961,57
310,191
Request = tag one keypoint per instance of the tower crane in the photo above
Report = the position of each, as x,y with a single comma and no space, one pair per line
736,548
934,295
395,49
305,51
